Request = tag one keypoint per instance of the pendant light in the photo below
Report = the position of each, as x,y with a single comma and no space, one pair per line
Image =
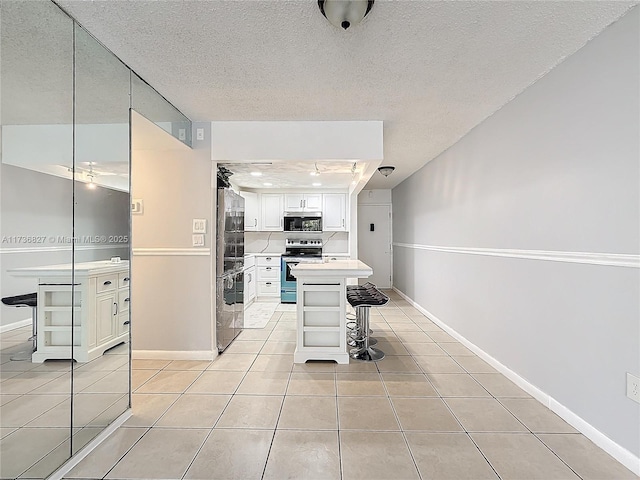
345,13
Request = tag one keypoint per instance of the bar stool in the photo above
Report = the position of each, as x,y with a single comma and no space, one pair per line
354,327
362,300
27,300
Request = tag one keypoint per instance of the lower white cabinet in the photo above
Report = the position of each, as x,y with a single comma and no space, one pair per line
249,286
100,306
268,275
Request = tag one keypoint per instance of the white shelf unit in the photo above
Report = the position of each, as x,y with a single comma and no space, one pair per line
321,328
100,315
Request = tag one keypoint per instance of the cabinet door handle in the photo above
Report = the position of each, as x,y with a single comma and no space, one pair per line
255,222
268,283
126,299
268,259
116,308
268,268
343,222
108,282
126,279
126,323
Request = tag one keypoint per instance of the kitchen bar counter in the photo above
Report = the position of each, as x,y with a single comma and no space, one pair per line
321,308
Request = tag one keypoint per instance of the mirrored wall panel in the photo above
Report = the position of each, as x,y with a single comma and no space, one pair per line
149,103
36,227
101,268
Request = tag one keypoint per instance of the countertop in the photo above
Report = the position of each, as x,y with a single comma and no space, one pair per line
83,269
337,268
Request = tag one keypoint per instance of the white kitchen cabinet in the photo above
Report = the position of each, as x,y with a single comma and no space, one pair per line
303,202
249,286
100,305
251,211
272,212
268,275
334,212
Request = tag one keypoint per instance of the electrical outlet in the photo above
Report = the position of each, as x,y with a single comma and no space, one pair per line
633,387
198,240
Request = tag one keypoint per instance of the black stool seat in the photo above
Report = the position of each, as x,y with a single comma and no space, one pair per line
28,300
369,296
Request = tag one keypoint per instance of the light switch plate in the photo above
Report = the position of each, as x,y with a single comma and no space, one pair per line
199,133
198,240
182,134
137,206
199,225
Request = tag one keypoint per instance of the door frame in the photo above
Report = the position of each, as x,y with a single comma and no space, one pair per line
390,234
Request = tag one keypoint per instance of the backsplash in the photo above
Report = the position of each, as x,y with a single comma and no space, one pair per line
273,242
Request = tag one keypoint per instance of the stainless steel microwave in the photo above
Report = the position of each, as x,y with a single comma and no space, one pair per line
303,222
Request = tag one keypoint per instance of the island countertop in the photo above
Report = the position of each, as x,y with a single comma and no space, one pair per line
81,269
338,268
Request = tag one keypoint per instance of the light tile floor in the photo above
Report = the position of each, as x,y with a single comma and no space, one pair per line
430,409
35,410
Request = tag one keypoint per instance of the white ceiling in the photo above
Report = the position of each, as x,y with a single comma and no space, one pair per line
431,70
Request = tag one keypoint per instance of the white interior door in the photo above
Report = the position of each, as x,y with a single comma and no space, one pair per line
374,242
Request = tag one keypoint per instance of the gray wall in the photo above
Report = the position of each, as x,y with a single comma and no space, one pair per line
36,204
556,169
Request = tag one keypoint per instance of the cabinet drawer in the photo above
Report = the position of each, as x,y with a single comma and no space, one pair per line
123,279
123,300
266,289
268,273
273,261
106,283
123,324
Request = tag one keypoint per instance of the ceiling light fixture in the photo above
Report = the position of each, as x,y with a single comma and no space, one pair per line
316,172
386,170
256,174
316,184
267,184
91,185
345,13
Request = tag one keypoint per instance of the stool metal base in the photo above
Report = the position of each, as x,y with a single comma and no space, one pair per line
367,354
354,342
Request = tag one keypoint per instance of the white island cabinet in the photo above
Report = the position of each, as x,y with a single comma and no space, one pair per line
321,308
100,293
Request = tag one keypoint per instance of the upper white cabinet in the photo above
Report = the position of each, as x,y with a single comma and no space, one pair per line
251,211
334,212
302,202
272,212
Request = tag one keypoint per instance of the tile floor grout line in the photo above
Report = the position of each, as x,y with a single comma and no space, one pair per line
557,456
483,455
335,384
397,417
148,429
198,450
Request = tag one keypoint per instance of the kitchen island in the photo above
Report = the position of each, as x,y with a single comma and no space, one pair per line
97,291
321,308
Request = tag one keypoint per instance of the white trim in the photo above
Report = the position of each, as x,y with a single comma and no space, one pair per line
14,325
173,355
624,456
162,252
89,447
591,258
66,248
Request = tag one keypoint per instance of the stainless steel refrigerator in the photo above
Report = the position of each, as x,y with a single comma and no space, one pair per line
229,266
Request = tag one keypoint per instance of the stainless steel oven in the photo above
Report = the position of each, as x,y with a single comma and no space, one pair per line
296,251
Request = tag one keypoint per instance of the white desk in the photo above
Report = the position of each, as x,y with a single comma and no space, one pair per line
321,308
100,308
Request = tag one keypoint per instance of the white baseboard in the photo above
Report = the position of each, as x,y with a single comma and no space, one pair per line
89,447
624,456
174,354
14,325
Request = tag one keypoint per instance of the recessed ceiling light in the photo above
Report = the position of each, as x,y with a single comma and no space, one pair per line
256,174
267,184
316,184
314,174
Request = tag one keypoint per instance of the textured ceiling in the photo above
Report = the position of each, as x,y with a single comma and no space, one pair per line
297,175
431,70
